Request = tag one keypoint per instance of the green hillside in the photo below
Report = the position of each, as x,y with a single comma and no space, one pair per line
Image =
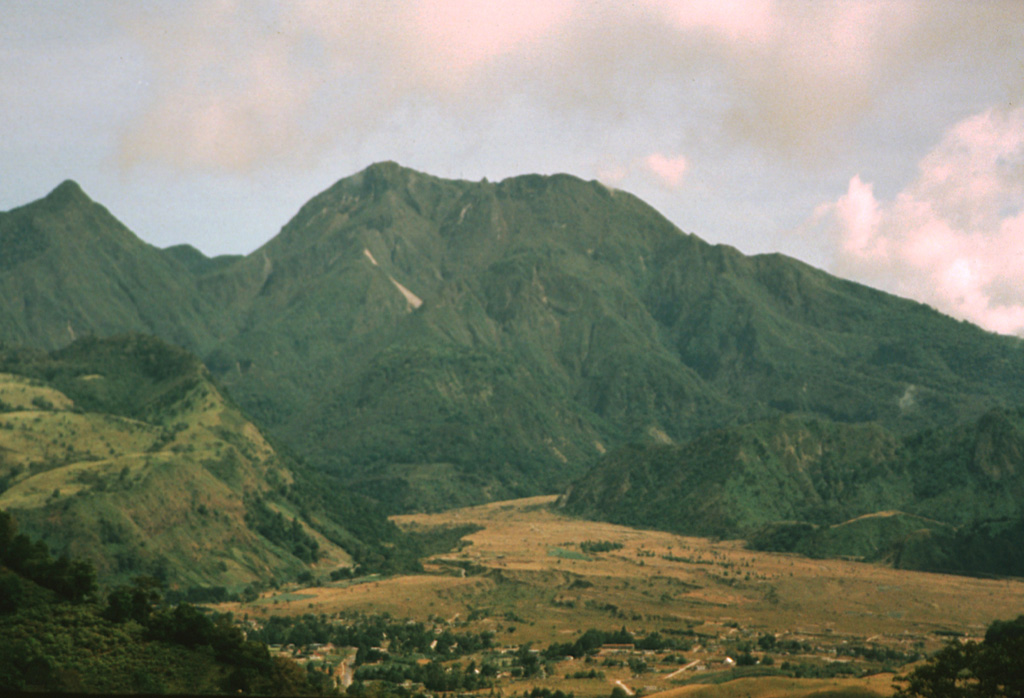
435,342
124,453
948,499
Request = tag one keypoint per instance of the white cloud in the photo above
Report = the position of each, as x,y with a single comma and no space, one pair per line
954,237
230,91
669,170
240,85
858,216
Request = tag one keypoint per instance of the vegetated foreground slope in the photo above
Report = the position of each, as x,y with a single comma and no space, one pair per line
124,452
949,499
57,637
440,342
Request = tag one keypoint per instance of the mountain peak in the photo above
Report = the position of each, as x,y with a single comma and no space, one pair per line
387,175
68,192
386,167
372,181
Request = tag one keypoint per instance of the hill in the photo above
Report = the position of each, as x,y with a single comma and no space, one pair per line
436,342
947,499
55,636
125,453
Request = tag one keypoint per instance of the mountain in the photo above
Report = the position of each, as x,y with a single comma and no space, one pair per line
123,452
949,499
502,336
435,342
68,268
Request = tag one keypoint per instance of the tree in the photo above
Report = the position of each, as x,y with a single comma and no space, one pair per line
991,669
8,529
74,580
135,602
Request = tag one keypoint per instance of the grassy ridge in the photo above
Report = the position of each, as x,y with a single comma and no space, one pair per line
123,452
68,268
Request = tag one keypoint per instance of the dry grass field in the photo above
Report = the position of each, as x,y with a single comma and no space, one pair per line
524,575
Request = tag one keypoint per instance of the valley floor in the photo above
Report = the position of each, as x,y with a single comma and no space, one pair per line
742,622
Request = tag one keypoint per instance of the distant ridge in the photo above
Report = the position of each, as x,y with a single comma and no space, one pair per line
68,192
195,261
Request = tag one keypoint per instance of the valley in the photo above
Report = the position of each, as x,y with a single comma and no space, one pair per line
534,577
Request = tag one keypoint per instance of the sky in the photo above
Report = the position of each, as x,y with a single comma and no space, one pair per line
879,141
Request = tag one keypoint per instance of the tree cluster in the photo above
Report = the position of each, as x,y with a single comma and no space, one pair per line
369,633
989,669
592,640
70,580
434,676
274,527
53,636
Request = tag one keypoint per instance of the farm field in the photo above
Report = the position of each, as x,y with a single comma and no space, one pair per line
742,622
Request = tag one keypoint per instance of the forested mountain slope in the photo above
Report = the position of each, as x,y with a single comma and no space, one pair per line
949,499
437,342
